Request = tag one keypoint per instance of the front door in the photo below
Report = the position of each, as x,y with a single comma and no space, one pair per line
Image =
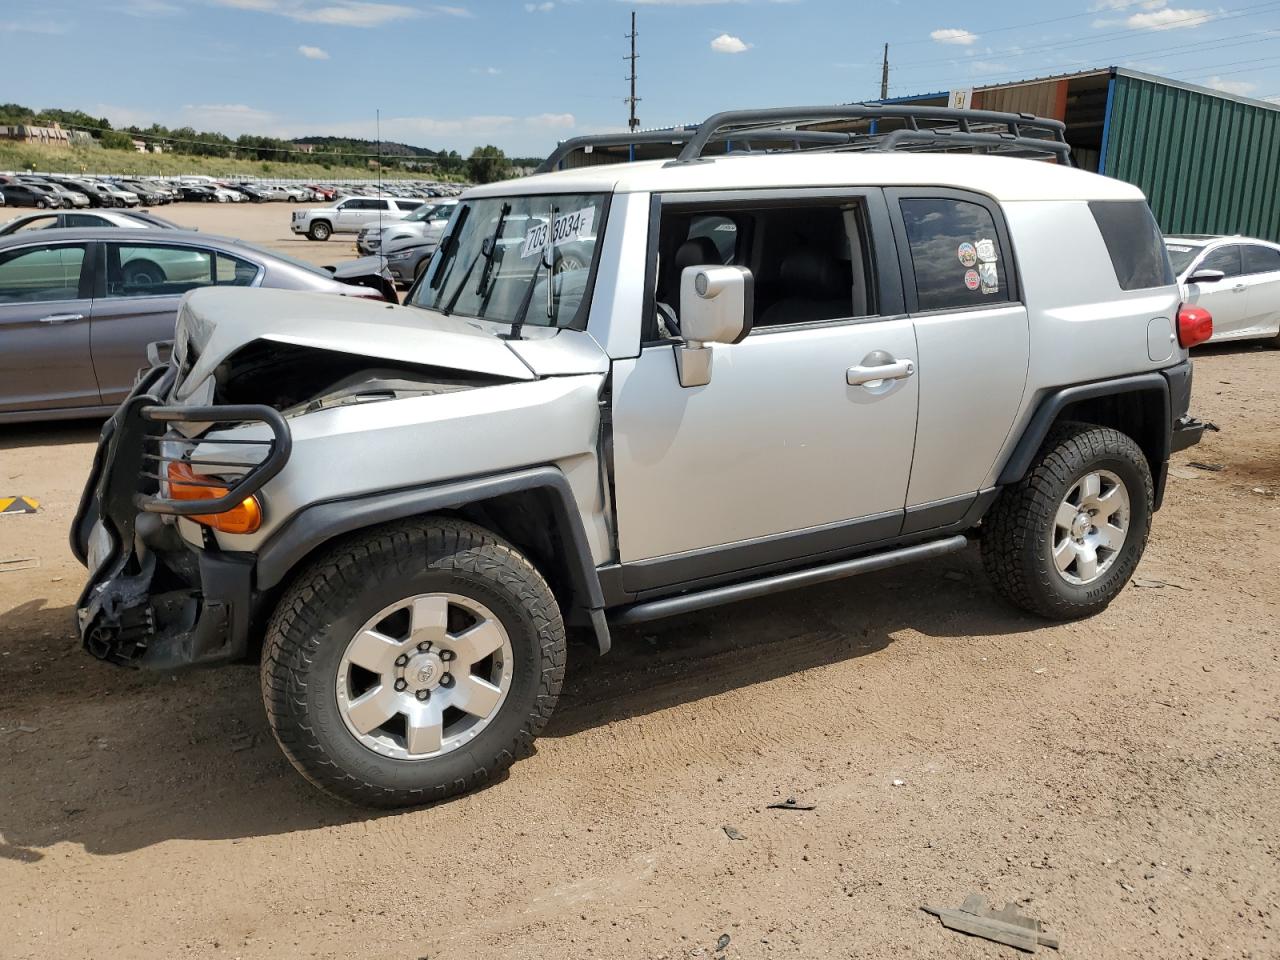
45,305
1227,299
794,448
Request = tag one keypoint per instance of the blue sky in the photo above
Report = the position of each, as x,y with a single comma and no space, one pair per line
525,73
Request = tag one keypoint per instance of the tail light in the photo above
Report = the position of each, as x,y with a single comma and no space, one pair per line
186,484
1195,325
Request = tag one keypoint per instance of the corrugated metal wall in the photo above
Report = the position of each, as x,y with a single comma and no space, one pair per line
1207,164
1044,99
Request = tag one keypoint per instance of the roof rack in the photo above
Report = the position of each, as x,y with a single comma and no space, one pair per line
876,127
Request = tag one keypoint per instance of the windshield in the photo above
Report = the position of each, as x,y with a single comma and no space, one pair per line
430,211
514,259
1181,254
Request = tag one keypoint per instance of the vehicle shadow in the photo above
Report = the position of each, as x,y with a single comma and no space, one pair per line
53,434
1232,347
116,760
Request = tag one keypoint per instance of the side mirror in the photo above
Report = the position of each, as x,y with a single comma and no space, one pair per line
716,306
1206,276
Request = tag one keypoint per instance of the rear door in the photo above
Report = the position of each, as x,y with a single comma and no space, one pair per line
1261,266
45,304
1227,299
138,301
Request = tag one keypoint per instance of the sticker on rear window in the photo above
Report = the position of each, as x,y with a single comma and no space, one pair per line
967,253
989,277
565,228
987,251
971,279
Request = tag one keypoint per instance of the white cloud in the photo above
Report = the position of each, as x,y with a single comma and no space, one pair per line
232,119
726,43
46,27
1240,88
1128,5
553,121
313,53
953,35
1168,18
150,8
342,13
546,7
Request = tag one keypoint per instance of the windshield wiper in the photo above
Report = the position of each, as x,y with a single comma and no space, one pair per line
487,250
548,253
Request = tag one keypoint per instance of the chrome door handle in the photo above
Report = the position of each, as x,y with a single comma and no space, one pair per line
1238,288
62,317
896,370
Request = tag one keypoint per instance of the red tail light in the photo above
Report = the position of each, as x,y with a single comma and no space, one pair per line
1195,325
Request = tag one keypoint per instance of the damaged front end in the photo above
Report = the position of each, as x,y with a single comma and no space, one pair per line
150,599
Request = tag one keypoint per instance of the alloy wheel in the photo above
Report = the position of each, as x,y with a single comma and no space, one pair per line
1090,527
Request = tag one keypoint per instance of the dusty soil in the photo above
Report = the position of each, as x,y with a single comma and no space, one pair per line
1117,777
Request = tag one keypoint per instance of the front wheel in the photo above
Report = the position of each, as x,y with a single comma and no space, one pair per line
319,231
1063,542
412,662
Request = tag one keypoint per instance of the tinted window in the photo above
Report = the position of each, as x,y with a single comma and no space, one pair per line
956,254
153,270
84,220
1134,242
1226,259
41,274
1258,259
40,223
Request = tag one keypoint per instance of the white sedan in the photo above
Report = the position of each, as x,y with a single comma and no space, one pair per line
1237,279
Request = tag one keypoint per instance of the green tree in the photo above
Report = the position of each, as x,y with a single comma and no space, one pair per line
487,164
115,140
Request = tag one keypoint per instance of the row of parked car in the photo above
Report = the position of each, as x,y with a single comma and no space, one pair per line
55,191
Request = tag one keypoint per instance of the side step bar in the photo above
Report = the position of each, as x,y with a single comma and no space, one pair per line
717,596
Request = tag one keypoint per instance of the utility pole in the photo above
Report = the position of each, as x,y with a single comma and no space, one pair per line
884,75
634,122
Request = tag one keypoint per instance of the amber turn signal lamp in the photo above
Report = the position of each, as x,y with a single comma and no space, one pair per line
186,484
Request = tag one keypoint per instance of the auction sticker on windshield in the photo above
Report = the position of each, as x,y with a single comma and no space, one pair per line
567,227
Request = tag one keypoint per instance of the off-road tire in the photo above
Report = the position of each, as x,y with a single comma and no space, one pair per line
320,230
328,602
1017,533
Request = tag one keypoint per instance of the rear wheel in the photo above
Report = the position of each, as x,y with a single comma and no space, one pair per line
1064,541
412,662
42,203
320,230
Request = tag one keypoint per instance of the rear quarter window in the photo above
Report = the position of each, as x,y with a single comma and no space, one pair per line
1134,243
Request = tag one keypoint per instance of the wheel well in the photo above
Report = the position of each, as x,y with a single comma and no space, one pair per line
1140,414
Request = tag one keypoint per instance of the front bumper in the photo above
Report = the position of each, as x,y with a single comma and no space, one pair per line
152,599
298,226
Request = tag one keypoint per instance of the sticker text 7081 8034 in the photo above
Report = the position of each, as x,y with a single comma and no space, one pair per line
566,227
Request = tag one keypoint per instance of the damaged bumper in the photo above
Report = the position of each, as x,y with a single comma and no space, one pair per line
153,599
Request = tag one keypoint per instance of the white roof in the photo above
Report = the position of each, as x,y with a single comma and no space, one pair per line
1003,178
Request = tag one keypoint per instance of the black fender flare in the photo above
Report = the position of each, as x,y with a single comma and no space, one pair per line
1050,406
320,522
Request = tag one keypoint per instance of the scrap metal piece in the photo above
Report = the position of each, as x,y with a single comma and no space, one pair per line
791,803
10,505
1005,926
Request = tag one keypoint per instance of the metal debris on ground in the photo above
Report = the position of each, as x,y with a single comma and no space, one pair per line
1211,467
10,505
722,942
733,833
1005,926
18,563
1155,584
791,803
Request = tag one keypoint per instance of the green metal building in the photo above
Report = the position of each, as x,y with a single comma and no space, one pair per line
1209,162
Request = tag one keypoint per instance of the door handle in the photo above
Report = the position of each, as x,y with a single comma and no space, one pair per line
1238,288
62,317
894,370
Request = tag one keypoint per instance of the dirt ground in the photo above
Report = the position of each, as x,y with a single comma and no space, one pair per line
1118,777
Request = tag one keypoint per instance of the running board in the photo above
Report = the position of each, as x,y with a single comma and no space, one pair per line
689,602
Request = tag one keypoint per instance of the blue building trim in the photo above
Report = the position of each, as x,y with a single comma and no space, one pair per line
1106,123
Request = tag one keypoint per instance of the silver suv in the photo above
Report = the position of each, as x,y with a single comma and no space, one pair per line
349,215
625,392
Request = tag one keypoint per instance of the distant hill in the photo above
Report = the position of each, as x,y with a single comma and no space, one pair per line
390,148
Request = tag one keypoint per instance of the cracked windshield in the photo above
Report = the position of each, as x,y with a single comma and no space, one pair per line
517,260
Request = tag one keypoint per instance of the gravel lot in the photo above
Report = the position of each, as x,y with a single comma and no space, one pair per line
1117,777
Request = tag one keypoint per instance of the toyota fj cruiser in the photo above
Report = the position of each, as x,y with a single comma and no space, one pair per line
817,342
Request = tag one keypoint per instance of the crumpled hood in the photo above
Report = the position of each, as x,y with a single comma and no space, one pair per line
213,324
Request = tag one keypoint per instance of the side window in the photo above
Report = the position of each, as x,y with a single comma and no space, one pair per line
955,254
41,274
154,270
378,205
41,223
1259,259
84,220
810,262
1134,242
1225,258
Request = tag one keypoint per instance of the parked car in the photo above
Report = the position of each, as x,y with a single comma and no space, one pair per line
408,258
427,221
1,198
57,286
19,194
62,221
120,196
70,198
147,194
249,192
96,192
1237,279
768,371
198,192
348,215
323,192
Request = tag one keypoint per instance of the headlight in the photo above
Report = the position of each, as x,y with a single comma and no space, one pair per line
397,257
